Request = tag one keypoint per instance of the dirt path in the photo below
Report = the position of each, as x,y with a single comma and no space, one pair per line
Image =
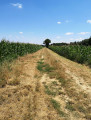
38,94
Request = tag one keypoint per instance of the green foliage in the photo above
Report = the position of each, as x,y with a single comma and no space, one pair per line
63,82
56,105
70,106
49,92
48,68
86,42
77,53
44,67
54,82
81,109
59,44
40,66
47,41
11,50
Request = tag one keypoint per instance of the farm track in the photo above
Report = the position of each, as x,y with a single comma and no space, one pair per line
28,100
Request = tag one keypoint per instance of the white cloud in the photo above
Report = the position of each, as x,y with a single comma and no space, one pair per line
17,5
89,21
69,33
58,22
83,33
20,32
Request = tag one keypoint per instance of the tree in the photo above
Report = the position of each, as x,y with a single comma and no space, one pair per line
89,41
47,41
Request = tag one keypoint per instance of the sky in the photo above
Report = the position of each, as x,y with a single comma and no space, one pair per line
33,21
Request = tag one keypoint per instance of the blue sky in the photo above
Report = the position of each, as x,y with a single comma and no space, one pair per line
35,20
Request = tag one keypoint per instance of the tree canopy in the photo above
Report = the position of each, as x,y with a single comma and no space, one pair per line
86,42
46,42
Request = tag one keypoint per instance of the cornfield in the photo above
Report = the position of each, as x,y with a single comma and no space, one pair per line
77,53
11,50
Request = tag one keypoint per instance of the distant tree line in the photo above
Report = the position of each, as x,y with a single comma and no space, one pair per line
59,44
85,42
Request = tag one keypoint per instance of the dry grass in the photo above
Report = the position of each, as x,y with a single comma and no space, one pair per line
75,93
14,82
10,73
4,74
23,95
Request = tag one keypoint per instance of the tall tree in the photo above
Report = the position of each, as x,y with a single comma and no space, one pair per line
46,42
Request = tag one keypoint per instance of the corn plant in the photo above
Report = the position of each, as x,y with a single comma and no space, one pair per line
11,50
77,53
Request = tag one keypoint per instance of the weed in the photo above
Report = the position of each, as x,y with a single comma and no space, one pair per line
40,67
42,59
56,105
63,82
40,62
70,106
81,109
48,68
48,91
54,83
44,67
